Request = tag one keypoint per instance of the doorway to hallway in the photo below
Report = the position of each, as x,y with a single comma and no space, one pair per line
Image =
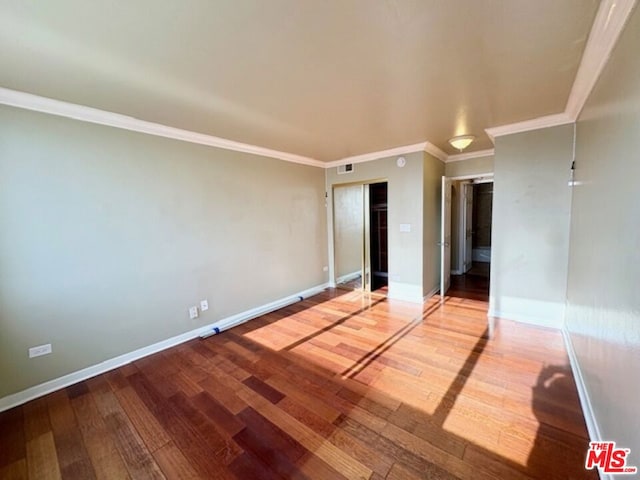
469,252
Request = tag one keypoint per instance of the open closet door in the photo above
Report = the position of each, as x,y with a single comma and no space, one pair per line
445,238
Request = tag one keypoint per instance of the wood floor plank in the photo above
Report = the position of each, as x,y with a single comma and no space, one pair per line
225,449
306,416
248,465
313,467
104,455
298,393
15,471
313,442
400,472
376,461
174,464
137,458
152,433
36,418
272,446
222,418
12,440
184,435
72,455
268,392
224,395
42,458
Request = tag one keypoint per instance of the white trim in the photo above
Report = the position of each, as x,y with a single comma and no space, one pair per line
83,113
525,310
431,149
407,292
93,115
348,277
469,155
528,125
610,20
36,391
585,400
525,318
457,272
391,152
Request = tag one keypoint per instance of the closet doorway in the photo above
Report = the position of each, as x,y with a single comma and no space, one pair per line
361,236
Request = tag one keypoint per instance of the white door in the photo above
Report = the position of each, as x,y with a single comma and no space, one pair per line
468,226
445,238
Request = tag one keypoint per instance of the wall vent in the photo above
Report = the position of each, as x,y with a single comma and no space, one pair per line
342,169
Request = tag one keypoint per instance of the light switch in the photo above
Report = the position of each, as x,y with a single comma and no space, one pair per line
405,227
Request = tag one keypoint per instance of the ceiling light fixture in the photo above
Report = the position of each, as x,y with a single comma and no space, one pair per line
462,141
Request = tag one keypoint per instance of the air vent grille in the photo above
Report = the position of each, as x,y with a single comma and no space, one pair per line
342,169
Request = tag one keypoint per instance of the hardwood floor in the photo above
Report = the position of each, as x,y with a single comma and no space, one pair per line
473,285
336,386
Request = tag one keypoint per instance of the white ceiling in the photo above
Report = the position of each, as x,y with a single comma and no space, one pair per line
325,79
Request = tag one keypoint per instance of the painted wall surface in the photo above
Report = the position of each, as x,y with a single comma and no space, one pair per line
432,210
473,166
108,236
531,207
603,308
405,207
349,228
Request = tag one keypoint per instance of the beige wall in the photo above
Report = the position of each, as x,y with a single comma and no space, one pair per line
405,186
531,207
432,205
349,228
603,309
473,166
107,237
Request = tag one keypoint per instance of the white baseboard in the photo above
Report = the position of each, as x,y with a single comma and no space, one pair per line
36,391
348,277
457,272
534,312
583,394
406,292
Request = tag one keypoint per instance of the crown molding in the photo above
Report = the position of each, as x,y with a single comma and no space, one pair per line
391,152
74,111
533,124
607,26
435,151
83,113
468,156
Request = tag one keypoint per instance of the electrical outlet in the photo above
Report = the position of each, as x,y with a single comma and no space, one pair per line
325,269
193,312
204,305
40,350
